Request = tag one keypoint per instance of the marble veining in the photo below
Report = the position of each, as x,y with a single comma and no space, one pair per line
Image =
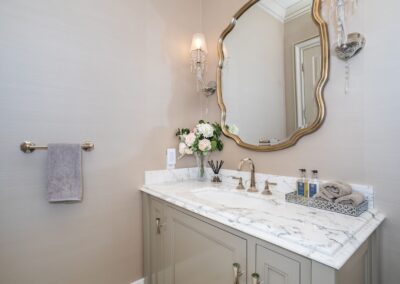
323,236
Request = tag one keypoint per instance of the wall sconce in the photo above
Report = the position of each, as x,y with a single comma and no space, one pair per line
347,45
198,52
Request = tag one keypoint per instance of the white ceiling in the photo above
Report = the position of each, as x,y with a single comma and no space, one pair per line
286,3
286,10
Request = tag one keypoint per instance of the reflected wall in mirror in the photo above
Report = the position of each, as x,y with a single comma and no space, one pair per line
272,69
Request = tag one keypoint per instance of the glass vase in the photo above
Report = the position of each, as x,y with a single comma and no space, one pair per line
201,161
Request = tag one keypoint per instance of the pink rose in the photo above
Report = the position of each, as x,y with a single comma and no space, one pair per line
190,138
205,145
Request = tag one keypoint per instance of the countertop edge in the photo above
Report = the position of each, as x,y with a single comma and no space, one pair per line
335,261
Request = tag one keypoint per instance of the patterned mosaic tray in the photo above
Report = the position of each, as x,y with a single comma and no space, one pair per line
326,205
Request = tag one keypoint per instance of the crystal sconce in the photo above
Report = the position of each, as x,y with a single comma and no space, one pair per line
198,52
348,45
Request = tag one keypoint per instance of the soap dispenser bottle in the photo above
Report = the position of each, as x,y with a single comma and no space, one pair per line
302,184
314,184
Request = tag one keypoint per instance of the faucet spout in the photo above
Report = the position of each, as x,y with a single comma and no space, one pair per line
252,177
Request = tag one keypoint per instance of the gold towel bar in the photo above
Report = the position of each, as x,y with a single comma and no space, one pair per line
29,147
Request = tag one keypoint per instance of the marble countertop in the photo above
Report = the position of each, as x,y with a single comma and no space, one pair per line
327,237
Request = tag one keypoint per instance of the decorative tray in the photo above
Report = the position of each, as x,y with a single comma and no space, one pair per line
292,197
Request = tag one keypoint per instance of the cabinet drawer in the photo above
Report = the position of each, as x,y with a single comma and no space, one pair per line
198,253
281,268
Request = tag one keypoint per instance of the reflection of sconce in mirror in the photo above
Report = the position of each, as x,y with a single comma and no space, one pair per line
198,52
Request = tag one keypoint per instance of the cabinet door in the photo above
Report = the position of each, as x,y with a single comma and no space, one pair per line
199,253
278,268
156,242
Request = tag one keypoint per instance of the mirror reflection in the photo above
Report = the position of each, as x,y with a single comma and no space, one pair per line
272,65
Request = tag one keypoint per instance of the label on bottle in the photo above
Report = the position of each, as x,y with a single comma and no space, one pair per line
313,189
306,189
300,188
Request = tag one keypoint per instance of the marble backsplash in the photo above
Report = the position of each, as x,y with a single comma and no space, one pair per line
285,184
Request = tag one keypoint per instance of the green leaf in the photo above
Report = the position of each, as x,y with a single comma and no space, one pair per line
195,145
214,145
217,129
220,145
183,131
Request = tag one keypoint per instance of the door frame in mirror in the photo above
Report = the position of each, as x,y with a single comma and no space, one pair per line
292,140
299,49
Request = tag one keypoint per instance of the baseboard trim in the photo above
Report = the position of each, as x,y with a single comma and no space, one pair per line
140,281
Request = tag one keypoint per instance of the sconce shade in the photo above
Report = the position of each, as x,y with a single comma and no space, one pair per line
199,43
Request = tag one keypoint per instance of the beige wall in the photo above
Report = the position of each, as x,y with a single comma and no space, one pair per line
113,72
299,29
359,140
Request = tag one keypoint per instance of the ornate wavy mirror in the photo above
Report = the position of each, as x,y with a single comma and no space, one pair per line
273,65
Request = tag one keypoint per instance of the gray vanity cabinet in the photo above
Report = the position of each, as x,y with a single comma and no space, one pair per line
198,253
277,268
181,247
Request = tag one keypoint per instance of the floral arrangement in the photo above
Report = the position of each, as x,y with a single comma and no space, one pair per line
205,137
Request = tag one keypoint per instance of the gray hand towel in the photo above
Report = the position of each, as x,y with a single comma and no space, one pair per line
321,194
64,165
335,189
353,199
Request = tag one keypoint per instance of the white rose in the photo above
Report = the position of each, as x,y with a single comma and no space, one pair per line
233,129
206,129
189,139
205,145
182,148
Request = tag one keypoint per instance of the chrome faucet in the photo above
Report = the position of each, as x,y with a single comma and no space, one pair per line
253,176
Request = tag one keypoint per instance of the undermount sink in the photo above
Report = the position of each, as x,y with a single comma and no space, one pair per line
234,199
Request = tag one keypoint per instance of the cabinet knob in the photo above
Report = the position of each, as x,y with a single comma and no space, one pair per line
255,278
158,225
236,273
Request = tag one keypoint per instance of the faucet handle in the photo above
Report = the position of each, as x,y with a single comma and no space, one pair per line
266,189
240,184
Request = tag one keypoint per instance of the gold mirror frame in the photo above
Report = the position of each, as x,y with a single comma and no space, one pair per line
316,9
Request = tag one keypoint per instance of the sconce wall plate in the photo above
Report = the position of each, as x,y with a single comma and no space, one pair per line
354,44
210,89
